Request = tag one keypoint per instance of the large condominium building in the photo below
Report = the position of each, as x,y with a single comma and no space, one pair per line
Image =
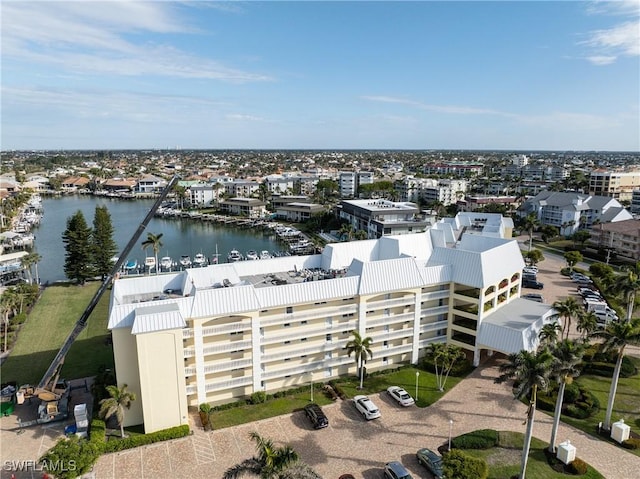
382,217
350,181
616,184
220,333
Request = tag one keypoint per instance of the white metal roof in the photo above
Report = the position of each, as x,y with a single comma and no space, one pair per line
159,317
307,292
388,275
515,326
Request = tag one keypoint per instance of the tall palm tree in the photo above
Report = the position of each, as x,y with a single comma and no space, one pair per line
628,285
120,400
567,309
587,323
29,260
567,355
530,224
347,230
8,303
271,462
531,372
360,348
617,335
154,242
549,333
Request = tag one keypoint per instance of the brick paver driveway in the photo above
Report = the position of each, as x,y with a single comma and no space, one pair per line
353,445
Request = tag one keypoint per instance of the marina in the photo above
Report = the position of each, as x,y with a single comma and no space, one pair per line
190,239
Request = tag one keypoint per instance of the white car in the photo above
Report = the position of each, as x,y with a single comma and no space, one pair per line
400,395
366,407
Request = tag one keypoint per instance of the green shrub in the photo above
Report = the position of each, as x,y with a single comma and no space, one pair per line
546,402
120,444
460,368
631,443
462,466
98,433
205,408
19,318
258,397
480,439
571,393
574,411
578,466
71,457
605,369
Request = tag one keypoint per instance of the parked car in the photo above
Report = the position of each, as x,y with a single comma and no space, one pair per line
533,297
366,407
395,470
316,416
532,283
400,395
530,269
431,461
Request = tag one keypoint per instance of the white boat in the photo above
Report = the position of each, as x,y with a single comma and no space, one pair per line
185,260
199,259
234,255
150,262
166,262
252,254
264,254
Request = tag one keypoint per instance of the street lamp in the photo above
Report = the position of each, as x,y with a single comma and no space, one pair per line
311,380
417,376
450,431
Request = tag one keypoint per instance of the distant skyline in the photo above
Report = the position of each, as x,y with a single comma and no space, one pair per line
505,75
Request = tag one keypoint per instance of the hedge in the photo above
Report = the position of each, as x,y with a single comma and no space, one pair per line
578,402
480,439
578,467
120,444
631,443
460,368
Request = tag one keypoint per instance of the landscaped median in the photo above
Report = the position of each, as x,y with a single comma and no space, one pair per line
84,453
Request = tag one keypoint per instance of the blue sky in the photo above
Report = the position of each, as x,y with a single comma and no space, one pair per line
402,75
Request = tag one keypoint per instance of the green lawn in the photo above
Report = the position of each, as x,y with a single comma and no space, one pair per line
504,460
46,328
427,391
626,405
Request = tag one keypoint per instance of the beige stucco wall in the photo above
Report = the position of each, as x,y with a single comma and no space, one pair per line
162,379
125,353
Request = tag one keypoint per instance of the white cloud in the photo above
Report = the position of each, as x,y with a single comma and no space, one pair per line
463,110
243,117
622,39
92,37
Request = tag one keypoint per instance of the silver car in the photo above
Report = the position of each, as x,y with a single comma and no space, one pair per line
366,407
400,395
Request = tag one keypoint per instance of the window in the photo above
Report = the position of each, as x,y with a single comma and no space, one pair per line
287,359
289,309
286,325
329,337
287,342
385,344
303,339
303,322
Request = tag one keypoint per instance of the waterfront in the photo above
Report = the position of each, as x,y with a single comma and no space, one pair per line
181,236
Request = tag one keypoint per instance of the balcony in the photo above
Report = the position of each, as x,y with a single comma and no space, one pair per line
222,329
435,295
219,348
311,314
391,319
463,338
467,308
471,293
466,323
306,332
390,303
219,367
434,311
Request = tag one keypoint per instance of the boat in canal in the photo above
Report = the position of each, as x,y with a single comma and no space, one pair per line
234,255
252,254
131,265
185,261
199,260
166,262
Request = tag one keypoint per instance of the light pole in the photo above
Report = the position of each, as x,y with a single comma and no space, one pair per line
311,380
417,376
450,431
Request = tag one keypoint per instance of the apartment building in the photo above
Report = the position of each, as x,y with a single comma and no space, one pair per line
240,188
350,181
615,184
635,202
382,217
457,169
248,207
571,211
220,333
621,238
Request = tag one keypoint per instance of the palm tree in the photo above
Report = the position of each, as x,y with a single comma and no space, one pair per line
549,333
567,355
346,230
360,348
8,303
587,323
116,404
567,309
531,372
617,335
271,463
530,224
628,285
27,261
155,243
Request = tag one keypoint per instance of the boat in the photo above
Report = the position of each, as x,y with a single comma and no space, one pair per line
185,260
234,255
264,254
131,265
199,259
150,263
166,262
252,254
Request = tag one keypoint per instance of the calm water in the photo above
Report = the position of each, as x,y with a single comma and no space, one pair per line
180,236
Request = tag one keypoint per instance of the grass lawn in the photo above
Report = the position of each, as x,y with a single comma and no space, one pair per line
427,390
46,328
626,405
271,408
504,460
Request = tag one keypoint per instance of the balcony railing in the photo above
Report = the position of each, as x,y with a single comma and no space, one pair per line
472,293
311,314
222,329
390,303
465,323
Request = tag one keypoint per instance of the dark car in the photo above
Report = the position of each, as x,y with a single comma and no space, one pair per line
431,461
534,297
532,283
316,416
395,470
